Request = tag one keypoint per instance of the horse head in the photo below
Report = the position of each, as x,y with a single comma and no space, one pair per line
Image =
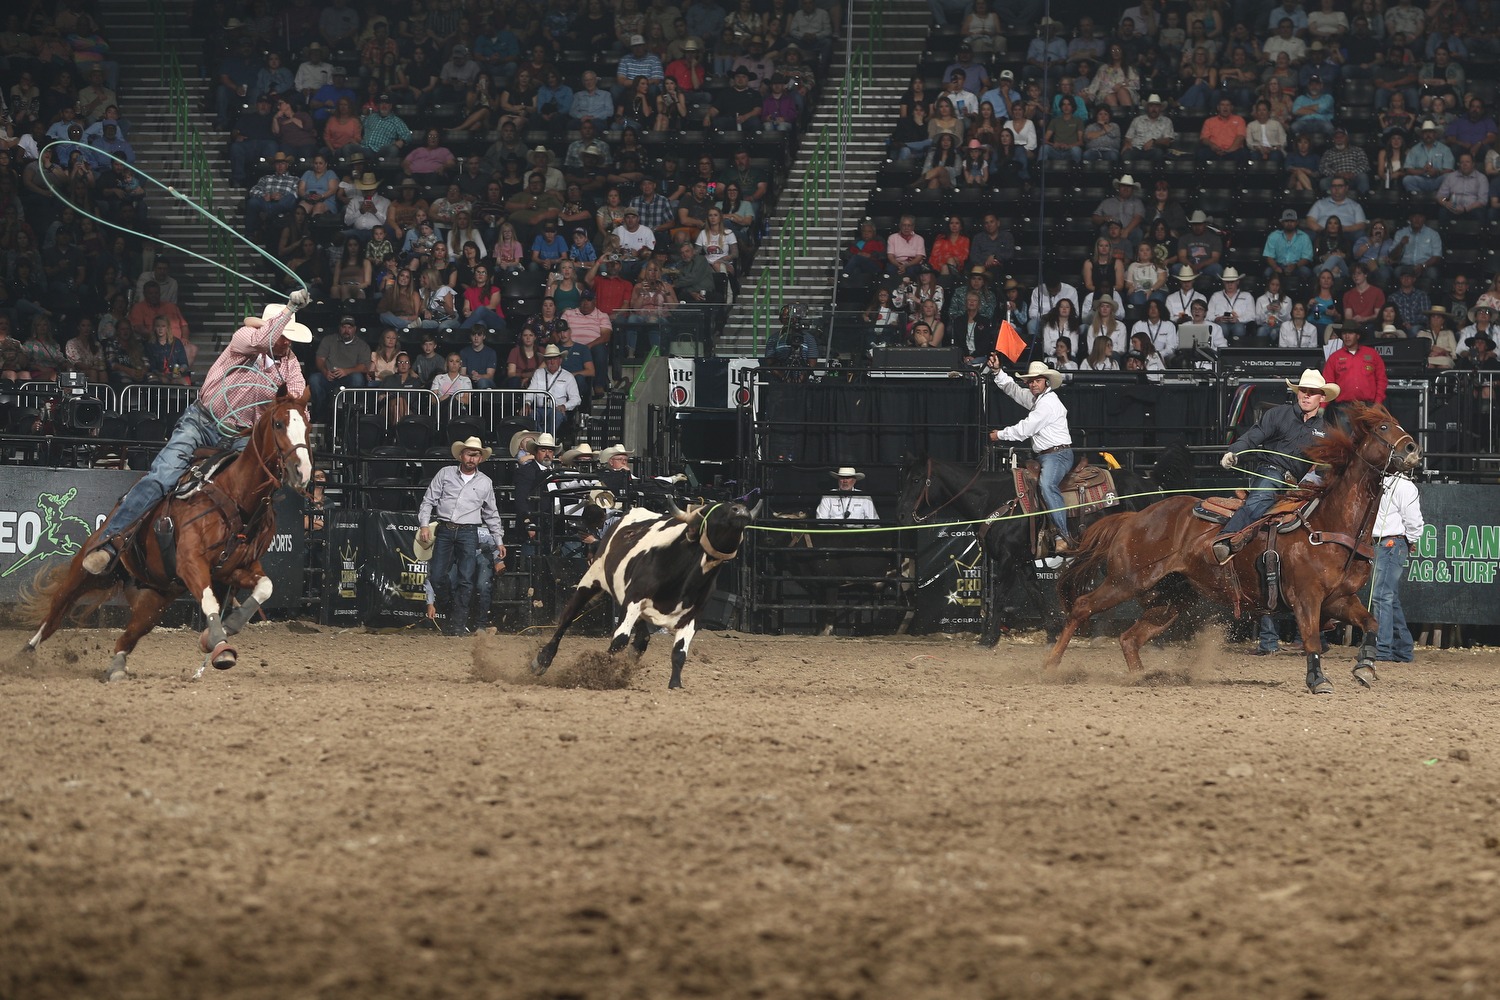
1358,434
280,437
916,474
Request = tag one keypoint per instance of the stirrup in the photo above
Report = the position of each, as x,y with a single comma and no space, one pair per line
101,561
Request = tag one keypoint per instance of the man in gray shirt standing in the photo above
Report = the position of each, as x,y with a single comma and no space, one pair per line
458,500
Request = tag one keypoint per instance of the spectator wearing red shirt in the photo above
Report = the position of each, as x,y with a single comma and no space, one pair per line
610,290
689,71
867,253
1358,370
1363,302
950,252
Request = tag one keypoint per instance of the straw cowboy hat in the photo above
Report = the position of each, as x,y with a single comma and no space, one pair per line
584,451
529,440
613,450
1313,381
1185,273
1040,369
423,550
367,182
294,331
459,447
847,472
602,498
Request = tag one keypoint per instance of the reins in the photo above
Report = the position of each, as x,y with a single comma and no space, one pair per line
926,485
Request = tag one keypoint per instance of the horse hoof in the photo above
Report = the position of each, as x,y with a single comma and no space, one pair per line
1365,674
223,656
988,642
537,668
1320,686
114,674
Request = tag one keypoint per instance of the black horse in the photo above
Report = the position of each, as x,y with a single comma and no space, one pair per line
934,492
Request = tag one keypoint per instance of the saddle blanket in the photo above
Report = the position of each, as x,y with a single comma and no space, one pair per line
1086,489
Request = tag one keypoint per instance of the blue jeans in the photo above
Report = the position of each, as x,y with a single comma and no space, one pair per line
454,550
1393,639
1054,467
1258,502
484,316
257,209
195,429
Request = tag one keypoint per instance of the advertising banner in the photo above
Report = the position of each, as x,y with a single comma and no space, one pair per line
1451,575
393,577
345,555
46,515
950,582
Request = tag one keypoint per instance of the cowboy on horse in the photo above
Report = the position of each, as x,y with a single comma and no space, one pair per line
1280,438
1047,427
255,366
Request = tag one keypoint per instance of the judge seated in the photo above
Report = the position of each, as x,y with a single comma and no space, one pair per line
847,503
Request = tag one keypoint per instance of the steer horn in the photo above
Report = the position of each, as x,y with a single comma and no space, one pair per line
677,511
755,511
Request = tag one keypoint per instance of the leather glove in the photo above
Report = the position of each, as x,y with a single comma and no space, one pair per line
1230,460
298,299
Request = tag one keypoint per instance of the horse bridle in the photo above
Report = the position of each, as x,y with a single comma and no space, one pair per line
283,456
927,483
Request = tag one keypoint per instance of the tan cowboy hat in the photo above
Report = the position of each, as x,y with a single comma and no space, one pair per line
294,331
1185,273
551,352
1230,274
1313,381
847,472
613,450
602,498
459,447
1040,369
367,182
583,451
423,550
530,441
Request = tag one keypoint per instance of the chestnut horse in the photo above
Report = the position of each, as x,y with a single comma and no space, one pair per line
221,531
1325,562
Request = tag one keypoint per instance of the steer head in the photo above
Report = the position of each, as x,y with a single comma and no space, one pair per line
723,523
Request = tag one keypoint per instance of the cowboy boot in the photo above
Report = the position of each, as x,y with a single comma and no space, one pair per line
102,559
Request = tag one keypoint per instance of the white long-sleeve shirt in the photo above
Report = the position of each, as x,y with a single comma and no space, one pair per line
1163,334
1047,423
847,505
1400,511
560,385
1242,304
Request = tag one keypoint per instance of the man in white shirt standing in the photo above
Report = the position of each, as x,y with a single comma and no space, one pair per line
846,503
560,389
1047,427
458,500
1398,529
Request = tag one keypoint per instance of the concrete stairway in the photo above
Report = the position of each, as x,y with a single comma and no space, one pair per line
812,278
144,101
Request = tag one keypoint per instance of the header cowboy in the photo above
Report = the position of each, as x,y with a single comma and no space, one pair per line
1047,427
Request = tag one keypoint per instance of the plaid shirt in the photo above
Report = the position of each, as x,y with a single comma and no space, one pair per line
234,397
647,65
655,213
275,185
380,131
1410,306
1349,160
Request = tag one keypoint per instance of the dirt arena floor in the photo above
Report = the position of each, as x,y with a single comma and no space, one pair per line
355,815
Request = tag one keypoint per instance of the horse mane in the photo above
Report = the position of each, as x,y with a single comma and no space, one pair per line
1345,425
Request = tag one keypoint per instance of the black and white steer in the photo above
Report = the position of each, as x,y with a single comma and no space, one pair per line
661,570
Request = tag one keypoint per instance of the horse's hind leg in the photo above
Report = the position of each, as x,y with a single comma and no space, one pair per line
1103,597
146,607
76,583
1154,620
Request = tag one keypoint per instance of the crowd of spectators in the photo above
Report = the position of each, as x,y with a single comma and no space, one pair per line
1283,176
449,167
76,295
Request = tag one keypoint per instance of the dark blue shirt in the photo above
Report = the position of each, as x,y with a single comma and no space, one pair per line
478,361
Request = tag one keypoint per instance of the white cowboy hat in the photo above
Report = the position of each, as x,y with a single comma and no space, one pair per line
530,441
1185,273
584,450
1230,274
602,498
459,447
613,450
1040,369
423,550
294,331
1313,381
1127,181
552,351
847,472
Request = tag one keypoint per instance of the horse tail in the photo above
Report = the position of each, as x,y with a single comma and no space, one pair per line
1077,577
88,592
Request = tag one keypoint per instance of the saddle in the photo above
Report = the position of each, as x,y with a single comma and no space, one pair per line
1086,489
207,463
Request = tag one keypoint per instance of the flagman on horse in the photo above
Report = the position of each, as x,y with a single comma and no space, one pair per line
1047,427
257,363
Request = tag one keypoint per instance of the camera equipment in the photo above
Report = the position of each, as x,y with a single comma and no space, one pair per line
72,410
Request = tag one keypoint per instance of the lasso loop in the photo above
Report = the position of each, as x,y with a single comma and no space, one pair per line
96,151
263,380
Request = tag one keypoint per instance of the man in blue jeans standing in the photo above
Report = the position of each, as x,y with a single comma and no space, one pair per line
1398,528
1047,427
458,500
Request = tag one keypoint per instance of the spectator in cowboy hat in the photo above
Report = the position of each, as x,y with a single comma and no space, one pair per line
581,455
536,455
846,503
552,395
616,475
458,500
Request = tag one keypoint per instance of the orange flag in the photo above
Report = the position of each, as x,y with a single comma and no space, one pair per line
1009,343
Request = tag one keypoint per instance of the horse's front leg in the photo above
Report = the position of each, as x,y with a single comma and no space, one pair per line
214,641
1352,610
1309,620
261,587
